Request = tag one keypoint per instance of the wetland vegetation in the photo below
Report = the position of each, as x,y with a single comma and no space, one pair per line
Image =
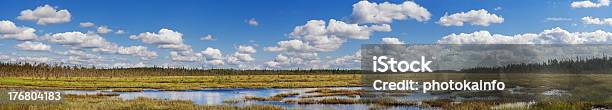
537,91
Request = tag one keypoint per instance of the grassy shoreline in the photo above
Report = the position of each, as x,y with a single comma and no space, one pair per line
182,82
587,90
107,102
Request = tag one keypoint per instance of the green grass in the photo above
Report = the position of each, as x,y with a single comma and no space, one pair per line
107,102
102,102
384,101
324,92
277,97
485,104
590,87
127,90
182,82
587,89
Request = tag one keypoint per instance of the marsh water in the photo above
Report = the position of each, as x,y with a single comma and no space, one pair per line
205,96
214,96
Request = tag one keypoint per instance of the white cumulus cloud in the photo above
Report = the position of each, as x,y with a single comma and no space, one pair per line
8,30
317,36
348,61
137,51
243,57
369,12
165,38
46,14
597,21
79,40
589,4
30,59
391,40
81,57
289,45
212,53
475,17
33,46
185,56
281,60
242,54
246,49
550,36
183,47
216,62
38,59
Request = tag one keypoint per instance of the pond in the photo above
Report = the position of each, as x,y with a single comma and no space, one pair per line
236,96
215,96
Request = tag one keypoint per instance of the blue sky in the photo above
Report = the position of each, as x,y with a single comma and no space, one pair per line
228,22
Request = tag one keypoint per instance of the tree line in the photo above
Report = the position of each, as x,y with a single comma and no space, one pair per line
578,65
58,70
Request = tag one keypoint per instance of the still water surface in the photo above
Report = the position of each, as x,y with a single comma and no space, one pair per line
215,96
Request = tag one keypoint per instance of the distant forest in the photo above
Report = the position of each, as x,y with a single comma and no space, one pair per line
47,70
592,65
579,65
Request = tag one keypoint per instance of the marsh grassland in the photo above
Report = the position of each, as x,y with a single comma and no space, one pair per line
182,82
523,91
108,102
